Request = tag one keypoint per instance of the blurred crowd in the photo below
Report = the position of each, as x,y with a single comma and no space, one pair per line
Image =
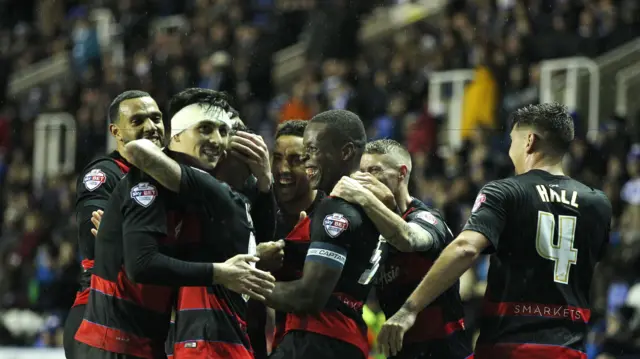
228,45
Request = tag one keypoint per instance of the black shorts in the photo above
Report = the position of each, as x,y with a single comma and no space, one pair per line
306,345
71,325
84,351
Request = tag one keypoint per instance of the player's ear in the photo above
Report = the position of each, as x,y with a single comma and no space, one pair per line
115,131
403,172
348,151
532,142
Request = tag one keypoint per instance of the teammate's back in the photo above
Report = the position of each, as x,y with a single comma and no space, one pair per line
555,231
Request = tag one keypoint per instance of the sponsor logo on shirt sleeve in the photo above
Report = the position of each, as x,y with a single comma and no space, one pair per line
427,217
479,201
144,194
94,179
334,224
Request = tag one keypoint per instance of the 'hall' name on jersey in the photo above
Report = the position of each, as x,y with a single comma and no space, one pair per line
550,195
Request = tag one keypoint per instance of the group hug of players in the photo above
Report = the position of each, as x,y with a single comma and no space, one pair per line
186,242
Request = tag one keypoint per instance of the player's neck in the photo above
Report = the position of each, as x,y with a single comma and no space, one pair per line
120,149
293,208
403,198
553,167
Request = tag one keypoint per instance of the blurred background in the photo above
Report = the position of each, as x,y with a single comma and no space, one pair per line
440,76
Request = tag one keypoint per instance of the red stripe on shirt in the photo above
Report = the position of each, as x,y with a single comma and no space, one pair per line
515,309
198,349
152,297
82,298
430,325
333,324
114,340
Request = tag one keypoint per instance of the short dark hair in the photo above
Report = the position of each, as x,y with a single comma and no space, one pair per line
205,97
343,125
114,107
551,121
291,128
239,126
389,147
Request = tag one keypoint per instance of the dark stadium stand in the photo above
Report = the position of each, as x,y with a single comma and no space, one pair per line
228,45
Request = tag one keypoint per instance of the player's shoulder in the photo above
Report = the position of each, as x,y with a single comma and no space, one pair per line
333,204
336,212
101,172
420,210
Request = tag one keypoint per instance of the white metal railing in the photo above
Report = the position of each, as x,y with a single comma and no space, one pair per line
458,79
573,66
609,64
48,134
624,80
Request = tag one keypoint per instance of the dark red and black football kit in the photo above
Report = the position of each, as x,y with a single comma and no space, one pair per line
439,330
144,230
258,316
211,321
547,233
339,234
93,189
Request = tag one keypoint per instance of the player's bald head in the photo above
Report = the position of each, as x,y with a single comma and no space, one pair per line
392,150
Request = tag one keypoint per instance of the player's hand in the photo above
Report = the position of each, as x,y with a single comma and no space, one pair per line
379,189
271,255
393,330
238,275
252,150
303,215
96,218
351,191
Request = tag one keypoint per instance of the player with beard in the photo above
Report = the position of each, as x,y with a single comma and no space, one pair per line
324,303
417,236
546,233
210,320
132,285
295,198
133,115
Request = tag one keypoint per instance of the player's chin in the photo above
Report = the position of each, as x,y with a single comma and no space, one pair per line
285,193
209,163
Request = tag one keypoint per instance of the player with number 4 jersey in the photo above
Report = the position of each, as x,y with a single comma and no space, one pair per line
545,231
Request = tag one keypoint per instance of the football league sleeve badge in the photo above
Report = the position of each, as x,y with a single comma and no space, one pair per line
94,179
144,194
334,224
479,201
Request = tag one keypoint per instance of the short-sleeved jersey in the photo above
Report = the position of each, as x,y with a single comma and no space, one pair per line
93,189
211,321
340,234
439,328
123,316
547,233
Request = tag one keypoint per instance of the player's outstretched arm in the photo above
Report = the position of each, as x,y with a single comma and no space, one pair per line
334,226
455,259
309,294
406,237
481,232
196,184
